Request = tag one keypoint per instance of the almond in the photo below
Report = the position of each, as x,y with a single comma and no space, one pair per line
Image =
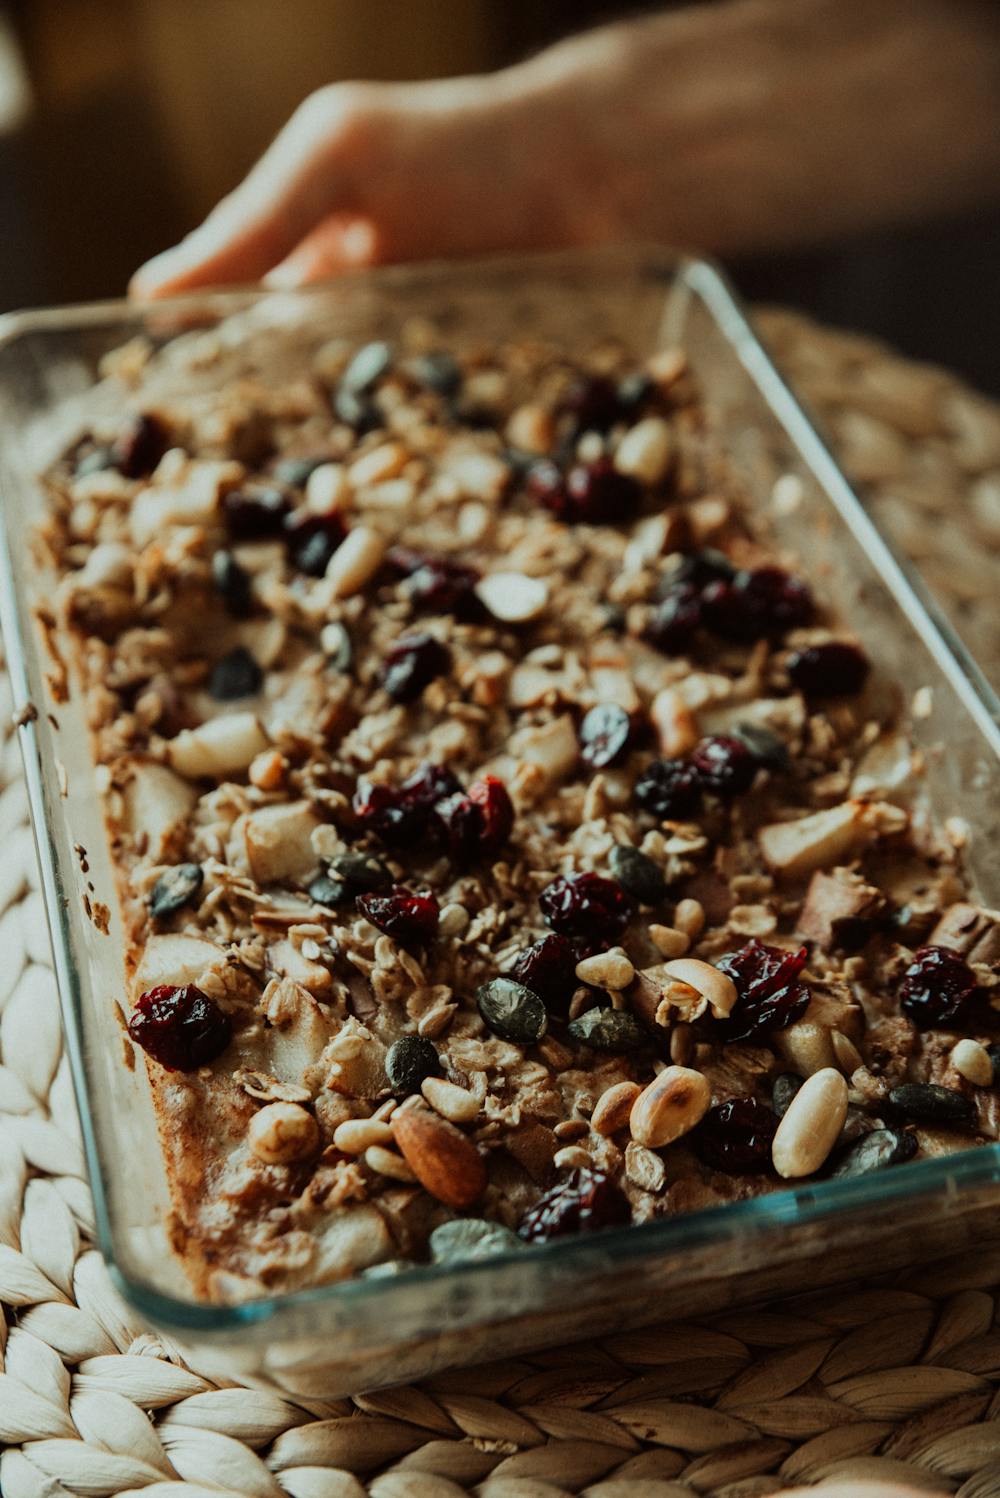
444,1161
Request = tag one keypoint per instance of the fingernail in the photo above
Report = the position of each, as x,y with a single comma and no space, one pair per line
288,275
156,273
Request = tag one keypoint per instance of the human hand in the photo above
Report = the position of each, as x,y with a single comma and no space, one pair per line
730,127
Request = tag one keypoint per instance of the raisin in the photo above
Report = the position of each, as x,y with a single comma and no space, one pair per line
605,735
586,908
770,997
402,815
181,1028
439,585
312,539
937,989
512,1011
736,1136
836,669
412,664
585,1202
236,675
670,789
477,822
724,765
548,968
233,584
637,874
407,917
175,888
409,1061
255,513
140,445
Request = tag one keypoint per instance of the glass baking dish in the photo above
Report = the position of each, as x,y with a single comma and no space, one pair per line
373,1331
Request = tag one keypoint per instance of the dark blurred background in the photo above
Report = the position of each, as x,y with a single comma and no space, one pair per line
123,121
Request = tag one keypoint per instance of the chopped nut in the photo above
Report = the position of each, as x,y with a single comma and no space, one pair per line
611,970
972,1061
644,1168
717,987
645,451
357,558
689,917
453,1103
838,906
282,1133
513,597
327,488
811,1125
267,771
613,1108
668,940
670,1106
387,1163
675,723
378,464
218,747
571,1157
530,429
357,1135
444,1161
814,841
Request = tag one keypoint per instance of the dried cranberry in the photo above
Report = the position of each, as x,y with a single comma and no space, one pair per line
548,968
836,669
670,789
312,540
699,568
406,917
256,513
593,402
765,601
737,1136
724,766
181,1028
546,483
438,584
585,1202
605,735
412,664
139,446
401,815
586,908
770,997
477,823
599,495
937,989
677,620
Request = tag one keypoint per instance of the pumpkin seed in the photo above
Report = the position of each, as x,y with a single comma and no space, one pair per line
326,891
608,1030
363,872
637,874
875,1151
471,1238
512,1011
783,1090
409,1061
932,1104
174,888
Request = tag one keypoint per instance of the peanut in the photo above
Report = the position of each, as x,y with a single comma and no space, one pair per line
811,1126
613,1108
670,1106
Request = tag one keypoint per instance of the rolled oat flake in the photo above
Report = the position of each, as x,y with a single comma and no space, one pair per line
512,1011
175,888
612,1030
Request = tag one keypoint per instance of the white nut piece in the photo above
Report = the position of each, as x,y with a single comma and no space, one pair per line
611,970
814,842
387,1163
670,1106
645,450
282,1133
613,1108
355,1135
668,940
377,465
811,1126
356,559
689,917
972,1061
571,1157
453,920
676,725
644,1168
716,987
219,747
513,597
327,488
453,1103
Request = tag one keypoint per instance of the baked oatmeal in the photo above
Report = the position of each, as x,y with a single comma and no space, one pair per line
510,843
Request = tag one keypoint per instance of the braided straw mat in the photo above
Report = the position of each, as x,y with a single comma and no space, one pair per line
895,1381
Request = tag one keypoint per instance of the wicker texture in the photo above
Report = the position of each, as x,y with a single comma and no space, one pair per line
896,1381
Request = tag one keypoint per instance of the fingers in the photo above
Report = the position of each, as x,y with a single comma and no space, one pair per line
340,243
307,172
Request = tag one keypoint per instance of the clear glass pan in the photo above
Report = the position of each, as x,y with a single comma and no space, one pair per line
363,1333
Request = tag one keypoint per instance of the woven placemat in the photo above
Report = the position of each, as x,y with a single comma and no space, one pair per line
896,1381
